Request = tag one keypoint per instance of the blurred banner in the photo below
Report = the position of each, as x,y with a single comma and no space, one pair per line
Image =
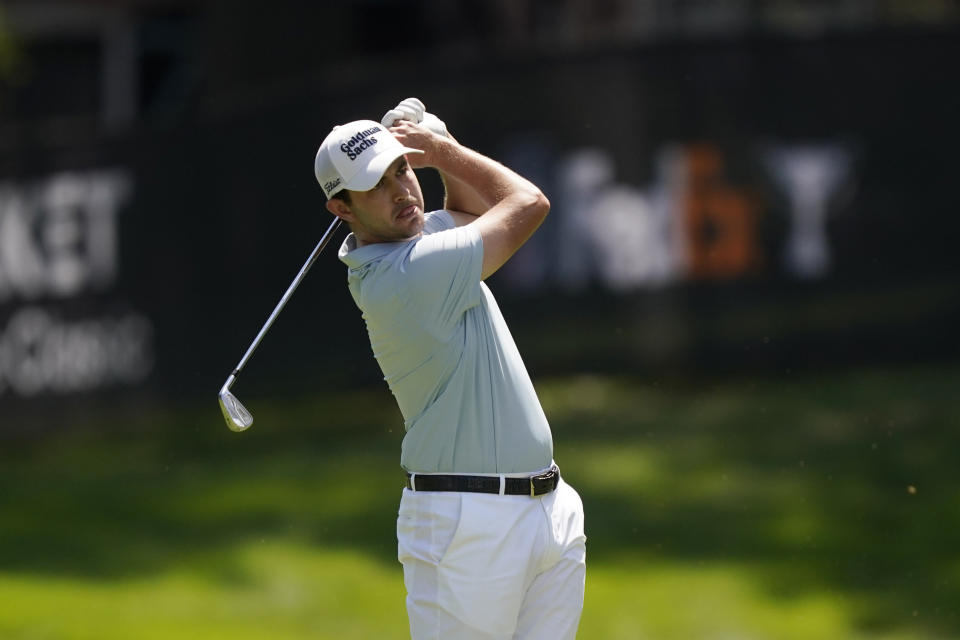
718,202
67,328
691,223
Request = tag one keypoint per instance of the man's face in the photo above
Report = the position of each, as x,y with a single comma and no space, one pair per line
390,212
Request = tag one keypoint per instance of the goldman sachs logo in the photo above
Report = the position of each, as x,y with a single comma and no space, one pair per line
60,330
360,142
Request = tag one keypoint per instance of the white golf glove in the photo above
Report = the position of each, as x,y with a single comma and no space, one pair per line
413,111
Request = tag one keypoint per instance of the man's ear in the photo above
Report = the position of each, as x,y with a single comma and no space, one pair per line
339,208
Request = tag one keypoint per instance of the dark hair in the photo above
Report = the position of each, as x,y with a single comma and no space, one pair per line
343,194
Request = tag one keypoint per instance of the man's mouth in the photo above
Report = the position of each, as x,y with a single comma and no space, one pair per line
407,212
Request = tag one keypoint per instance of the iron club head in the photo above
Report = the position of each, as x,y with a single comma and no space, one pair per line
237,417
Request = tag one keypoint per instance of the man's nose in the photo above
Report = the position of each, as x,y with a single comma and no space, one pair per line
400,191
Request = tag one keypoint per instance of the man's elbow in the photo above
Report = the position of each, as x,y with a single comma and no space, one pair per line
539,205
544,204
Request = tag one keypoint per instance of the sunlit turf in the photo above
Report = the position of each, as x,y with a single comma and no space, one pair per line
283,589
274,589
814,507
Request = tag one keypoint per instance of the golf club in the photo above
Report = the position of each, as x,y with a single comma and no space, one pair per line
236,415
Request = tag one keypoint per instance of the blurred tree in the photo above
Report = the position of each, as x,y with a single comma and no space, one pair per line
9,52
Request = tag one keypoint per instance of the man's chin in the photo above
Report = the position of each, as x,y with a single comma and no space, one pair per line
413,224
419,220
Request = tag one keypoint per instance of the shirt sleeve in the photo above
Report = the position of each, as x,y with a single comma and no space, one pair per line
443,272
440,220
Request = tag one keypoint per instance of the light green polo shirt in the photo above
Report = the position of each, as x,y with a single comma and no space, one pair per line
446,353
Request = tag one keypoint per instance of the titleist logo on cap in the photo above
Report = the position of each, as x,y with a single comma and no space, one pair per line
332,184
360,142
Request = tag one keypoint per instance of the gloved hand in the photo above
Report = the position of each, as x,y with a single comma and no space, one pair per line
410,109
413,111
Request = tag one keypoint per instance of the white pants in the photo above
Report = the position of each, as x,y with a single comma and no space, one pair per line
483,566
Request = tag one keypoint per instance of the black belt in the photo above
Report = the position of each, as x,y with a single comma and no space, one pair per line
532,486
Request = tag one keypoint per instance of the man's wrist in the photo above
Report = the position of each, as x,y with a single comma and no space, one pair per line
443,154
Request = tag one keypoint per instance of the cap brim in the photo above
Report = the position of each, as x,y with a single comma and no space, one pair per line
369,177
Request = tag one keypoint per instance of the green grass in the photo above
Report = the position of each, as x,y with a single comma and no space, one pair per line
822,506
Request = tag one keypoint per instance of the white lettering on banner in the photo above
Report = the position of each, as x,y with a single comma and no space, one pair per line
691,223
40,353
635,245
810,175
623,235
58,238
59,241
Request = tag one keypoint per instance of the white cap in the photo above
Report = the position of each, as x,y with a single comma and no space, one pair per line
355,156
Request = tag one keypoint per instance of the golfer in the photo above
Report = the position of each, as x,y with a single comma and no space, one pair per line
490,536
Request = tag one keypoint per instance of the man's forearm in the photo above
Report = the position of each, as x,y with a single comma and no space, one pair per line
517,207
475,183
510,207
459,196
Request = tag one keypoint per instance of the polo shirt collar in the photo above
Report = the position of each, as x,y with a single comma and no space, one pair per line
354,257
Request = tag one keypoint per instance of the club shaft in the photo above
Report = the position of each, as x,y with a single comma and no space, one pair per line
286,296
